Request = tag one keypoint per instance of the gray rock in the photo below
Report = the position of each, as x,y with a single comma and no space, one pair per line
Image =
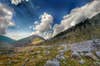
82,47
61,52
82,61
96,44
75,55
60,57
97,63
82,54
53,62
98,53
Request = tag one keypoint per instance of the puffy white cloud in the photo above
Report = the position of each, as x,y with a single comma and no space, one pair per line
45,24
77,15
16,2
5,18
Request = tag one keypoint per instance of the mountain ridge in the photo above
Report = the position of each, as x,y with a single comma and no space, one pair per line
6,42
85,30
82,24
6,39
27,41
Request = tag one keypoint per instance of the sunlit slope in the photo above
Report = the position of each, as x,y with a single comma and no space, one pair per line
37,41
31,40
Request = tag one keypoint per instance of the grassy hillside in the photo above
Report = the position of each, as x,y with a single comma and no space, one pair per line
37,41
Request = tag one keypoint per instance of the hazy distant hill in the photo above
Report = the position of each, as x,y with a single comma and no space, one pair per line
33,39
6,39
6,42
86,30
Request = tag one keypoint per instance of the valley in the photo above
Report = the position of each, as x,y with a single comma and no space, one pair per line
77,46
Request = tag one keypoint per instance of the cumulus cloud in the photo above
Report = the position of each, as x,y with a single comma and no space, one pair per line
5,18
77,15
45,24
16,2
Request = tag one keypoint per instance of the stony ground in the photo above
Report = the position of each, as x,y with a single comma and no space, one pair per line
49,55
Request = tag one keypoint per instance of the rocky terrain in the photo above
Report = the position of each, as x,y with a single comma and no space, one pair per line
85,53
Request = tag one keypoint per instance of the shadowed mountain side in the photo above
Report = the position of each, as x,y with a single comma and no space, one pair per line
85,30
85,25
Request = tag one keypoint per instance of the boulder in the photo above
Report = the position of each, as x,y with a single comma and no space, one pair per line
82,54
98,54
53,62
85,47
75,55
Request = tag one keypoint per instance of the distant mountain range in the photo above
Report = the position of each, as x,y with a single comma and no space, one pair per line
6,39
6,42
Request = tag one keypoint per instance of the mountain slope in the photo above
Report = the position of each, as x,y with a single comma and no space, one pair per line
6,39
86,30
6,42
85,25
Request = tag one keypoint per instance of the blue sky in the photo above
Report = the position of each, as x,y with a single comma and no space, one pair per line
26,13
